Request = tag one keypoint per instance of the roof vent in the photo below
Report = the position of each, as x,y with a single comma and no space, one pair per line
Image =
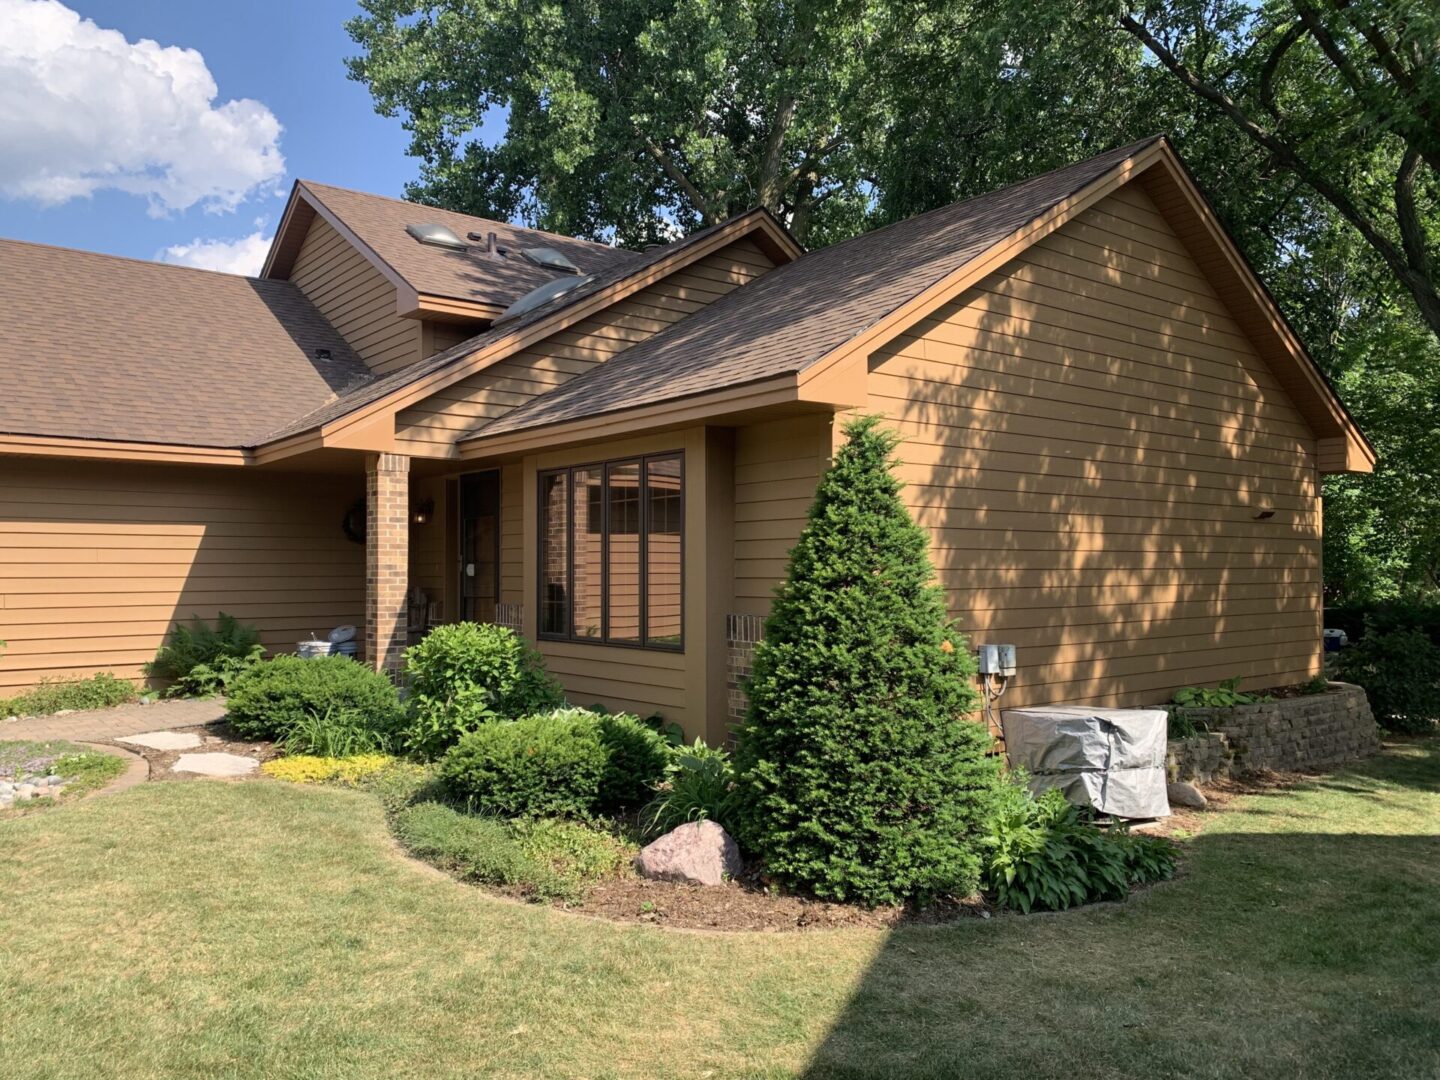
322,354
550,259
535,297
436,236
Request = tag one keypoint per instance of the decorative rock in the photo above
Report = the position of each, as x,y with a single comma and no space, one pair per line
51,781
25,791
215,764
1183,794
6,787
163,740
698,852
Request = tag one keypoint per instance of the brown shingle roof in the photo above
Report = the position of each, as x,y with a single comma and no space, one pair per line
791,317
365,393
100,347
379,223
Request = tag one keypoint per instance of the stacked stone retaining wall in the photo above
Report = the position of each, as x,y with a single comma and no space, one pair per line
1299,734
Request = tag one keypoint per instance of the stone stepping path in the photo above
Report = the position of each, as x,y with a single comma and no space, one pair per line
163,740
215,764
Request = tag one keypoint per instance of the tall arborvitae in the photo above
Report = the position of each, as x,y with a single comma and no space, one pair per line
861,777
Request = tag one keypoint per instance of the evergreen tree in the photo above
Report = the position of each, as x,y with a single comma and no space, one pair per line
860,777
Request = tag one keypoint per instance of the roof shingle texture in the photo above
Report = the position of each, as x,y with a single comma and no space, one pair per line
100,347
380,223
374,389
791,317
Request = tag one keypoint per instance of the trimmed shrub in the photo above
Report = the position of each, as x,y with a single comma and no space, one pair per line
465,674
635,759
699,785
547,765
273,699
57,695
204,661
1041,855
1400,672
859,776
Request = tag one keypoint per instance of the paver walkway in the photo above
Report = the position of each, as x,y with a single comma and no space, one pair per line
98,725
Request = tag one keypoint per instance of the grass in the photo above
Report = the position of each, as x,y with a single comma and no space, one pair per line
273,930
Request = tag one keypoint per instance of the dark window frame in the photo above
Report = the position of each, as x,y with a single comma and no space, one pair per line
604,466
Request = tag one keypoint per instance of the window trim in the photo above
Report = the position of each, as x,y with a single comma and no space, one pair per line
603,466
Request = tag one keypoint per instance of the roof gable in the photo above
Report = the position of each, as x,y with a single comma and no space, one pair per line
471,283
806,320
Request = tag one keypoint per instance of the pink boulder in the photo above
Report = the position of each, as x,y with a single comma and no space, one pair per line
698,852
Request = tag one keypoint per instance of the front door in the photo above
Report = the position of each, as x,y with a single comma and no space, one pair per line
479,546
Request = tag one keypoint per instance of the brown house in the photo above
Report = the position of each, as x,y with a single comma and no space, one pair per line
1113,437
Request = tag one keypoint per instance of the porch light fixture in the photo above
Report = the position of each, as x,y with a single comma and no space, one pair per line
423,512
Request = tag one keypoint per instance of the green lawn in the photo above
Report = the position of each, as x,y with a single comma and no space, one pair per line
265,930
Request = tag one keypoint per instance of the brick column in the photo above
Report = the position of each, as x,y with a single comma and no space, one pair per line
387,559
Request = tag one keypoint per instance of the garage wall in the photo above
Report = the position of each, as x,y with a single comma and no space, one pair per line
98,560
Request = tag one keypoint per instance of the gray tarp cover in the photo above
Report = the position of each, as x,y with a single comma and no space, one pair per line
1111,759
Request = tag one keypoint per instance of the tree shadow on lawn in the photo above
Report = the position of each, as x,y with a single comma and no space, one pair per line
1307,953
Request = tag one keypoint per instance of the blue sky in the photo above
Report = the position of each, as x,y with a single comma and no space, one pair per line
120,147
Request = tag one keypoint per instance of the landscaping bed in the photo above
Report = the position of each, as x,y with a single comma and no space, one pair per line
36,774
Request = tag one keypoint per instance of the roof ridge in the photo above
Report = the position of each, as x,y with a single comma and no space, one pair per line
67,249
313,184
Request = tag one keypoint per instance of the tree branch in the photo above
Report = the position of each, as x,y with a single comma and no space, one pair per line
702,205
1412,232
1272,65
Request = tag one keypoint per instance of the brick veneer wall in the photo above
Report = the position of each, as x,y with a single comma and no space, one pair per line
387,560
1317,731
742,634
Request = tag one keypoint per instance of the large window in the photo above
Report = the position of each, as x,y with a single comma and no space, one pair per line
611,544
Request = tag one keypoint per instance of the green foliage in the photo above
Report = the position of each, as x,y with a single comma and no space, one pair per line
547,765
635,759
1041,855
699,784
87,771
859,776
280,696
100,691
1400,672
542,859
1318,685
201,660
463,675
1180,725
1225,696
337,732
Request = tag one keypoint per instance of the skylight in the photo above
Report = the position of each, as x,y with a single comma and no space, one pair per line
436,236
550,259
535,297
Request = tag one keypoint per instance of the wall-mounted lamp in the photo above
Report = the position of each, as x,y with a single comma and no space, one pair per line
1264,515
423,512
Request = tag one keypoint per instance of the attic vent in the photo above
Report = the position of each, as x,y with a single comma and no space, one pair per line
436,236
550,259
535,297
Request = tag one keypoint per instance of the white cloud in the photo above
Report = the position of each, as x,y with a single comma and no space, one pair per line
243,256
82,109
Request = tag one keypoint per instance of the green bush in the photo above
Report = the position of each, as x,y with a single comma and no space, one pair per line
543,859
860,777
635,759
1400,672
58,695
699,784
465,674
277,697
1041,855
1225,696
547,765
203,661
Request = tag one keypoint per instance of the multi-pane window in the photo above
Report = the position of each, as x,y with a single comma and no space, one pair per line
611,541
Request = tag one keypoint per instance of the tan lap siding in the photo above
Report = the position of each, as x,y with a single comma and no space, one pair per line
358,300
430,428
98,561
1089,436
777,466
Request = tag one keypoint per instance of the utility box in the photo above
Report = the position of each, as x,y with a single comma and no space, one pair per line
1111,759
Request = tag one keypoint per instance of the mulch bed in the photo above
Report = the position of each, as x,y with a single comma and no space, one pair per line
748,904
216,738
